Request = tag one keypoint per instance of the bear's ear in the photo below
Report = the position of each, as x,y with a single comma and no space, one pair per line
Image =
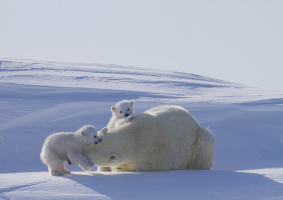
132,102
113,108
82,133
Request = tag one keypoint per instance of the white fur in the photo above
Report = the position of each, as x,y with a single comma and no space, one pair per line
162,138
63,146
122,112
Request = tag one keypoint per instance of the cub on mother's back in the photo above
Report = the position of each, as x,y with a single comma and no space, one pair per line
59,148
122,112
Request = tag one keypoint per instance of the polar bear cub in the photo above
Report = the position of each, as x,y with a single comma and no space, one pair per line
122,112
59,148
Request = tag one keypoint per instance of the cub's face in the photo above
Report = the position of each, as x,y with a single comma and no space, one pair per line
89,135
123,109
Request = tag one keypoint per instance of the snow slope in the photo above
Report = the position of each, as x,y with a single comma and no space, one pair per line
39,98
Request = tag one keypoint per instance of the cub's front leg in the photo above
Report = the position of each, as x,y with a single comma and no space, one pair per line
130,118
79,159
123,120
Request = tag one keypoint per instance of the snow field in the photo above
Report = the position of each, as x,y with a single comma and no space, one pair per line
40,98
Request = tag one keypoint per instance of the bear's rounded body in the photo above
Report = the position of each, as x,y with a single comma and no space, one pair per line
162,138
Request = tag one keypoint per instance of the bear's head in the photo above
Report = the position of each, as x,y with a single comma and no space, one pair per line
123,109
110,152
88,135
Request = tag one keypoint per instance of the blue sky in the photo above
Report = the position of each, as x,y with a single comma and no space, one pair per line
237,41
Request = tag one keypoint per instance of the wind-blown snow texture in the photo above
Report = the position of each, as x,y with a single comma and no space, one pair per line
40,98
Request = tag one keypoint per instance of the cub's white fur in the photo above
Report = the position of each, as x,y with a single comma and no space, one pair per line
162,138
63,146
122,112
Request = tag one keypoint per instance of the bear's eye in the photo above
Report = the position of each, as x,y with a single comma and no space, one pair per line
120,111
94,136
112,157
128,108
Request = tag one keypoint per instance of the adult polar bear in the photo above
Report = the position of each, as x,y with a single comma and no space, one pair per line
162,138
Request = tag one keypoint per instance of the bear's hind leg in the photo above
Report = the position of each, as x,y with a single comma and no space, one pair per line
63,168
54,167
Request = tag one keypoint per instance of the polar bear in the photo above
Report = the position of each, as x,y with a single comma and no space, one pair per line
122,112
66,146
162,138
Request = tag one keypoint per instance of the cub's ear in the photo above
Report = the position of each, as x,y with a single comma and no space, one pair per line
113,108
132,102
82,133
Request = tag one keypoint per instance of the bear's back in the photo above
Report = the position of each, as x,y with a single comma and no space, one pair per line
161,122
59,142
163,131
173,120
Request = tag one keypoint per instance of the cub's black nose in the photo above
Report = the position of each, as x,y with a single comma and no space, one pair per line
126,115
100,140
95,143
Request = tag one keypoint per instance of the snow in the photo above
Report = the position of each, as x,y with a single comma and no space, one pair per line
39,98
182,184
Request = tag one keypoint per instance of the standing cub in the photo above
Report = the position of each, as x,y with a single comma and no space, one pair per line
122,112
59,148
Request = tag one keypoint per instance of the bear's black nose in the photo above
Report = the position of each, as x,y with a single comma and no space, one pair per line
100,140
126,115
